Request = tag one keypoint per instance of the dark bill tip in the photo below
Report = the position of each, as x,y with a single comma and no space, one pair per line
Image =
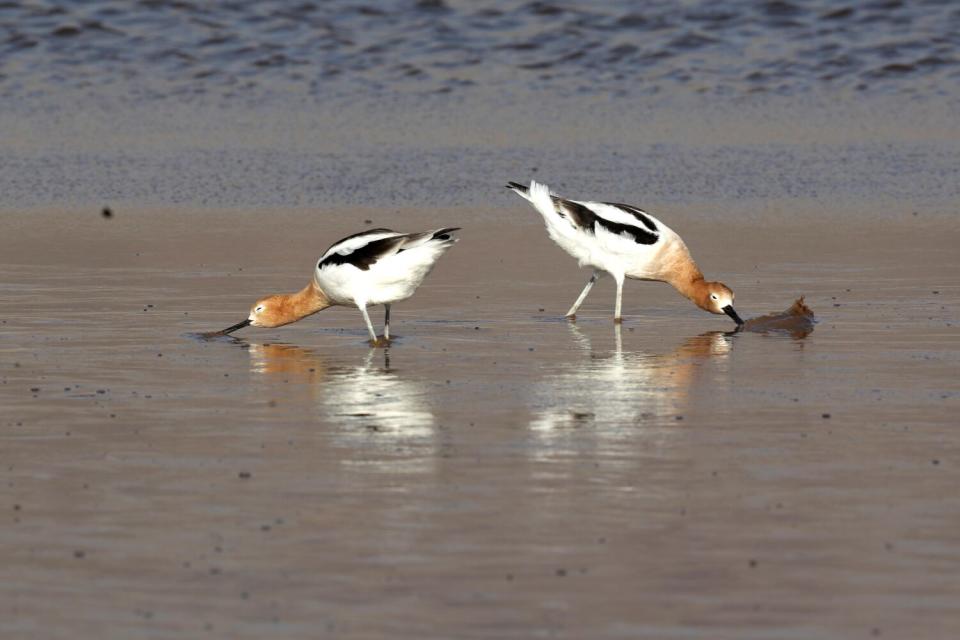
239,325
733,314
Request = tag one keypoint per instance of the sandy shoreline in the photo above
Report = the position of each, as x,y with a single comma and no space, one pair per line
499,473
807,154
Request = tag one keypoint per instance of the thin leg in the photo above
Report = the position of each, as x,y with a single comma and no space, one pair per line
616,314
366,318
583,295
386,322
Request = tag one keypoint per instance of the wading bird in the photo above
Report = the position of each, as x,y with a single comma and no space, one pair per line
368,268
625,242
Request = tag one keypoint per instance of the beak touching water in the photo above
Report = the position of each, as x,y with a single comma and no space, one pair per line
239,325
733,314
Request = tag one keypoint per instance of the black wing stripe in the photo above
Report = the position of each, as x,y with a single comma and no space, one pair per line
639,214
358,235
640,236
366,256
586,219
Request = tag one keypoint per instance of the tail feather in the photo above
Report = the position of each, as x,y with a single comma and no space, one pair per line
519,188
542,199
445,234
438,237
539,195
535,191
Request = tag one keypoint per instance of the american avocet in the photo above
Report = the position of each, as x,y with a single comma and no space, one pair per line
372,267
625,242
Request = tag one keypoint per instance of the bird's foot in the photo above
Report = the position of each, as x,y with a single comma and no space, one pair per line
380,342
572,317
618,321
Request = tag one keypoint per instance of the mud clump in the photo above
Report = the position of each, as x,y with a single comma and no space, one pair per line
798,321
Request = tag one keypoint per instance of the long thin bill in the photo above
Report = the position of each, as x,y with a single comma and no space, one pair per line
733,314
239,325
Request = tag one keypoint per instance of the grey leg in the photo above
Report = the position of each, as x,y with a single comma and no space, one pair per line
386,322
366,318
617,317
583,295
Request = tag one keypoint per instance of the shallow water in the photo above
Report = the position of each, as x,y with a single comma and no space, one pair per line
245,50
497,473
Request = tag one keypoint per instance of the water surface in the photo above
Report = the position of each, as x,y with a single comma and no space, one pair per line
499,472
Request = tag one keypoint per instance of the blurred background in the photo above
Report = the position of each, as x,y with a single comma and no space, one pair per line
411,102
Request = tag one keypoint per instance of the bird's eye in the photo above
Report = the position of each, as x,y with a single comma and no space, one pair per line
713,296
259,309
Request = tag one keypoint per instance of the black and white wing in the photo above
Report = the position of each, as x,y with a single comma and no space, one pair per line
362,250
365,249
618,219
621,220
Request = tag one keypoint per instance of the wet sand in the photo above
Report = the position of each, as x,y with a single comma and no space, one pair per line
498,472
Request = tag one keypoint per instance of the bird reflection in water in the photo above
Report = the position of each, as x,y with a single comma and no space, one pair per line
623,388
369,400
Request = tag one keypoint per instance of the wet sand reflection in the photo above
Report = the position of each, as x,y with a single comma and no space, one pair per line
620,387
362,401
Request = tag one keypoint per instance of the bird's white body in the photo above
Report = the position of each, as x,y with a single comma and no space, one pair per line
625,242
604,248
395,275
379,267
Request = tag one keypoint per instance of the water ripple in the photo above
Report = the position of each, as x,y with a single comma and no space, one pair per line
174,47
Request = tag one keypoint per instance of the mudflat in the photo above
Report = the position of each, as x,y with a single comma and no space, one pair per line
499,472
